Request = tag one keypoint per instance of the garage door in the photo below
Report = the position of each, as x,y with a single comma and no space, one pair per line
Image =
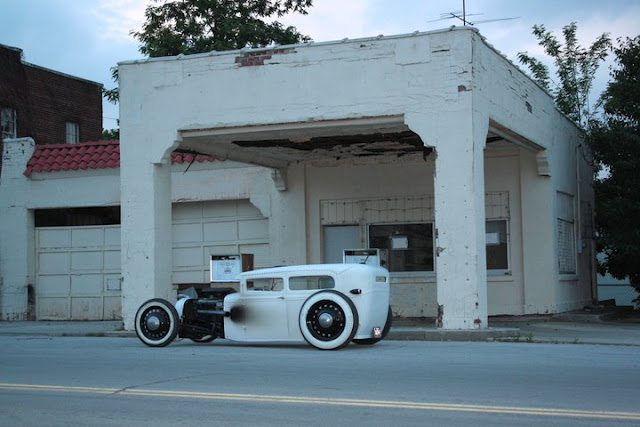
216,228
78,273
78,268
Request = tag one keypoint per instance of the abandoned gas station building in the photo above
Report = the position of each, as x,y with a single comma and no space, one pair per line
432,146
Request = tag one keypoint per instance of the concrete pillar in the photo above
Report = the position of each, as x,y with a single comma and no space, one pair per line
145,182
16,231
538,236
461,274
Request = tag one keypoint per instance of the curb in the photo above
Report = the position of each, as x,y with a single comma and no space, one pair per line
420,334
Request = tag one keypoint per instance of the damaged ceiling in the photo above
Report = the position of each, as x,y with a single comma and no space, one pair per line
396,144
277,146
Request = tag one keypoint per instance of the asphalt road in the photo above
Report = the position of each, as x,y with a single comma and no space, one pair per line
119,381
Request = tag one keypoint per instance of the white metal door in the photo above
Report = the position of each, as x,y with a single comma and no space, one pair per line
227,227
78,273
78,268
338,238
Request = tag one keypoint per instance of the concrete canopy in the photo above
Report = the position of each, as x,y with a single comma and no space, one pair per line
401,97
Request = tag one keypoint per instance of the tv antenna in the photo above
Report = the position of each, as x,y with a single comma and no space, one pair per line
462,16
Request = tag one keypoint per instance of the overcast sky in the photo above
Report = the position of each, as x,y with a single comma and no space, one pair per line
85,38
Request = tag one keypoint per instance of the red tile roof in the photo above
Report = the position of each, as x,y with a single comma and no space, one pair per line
88,155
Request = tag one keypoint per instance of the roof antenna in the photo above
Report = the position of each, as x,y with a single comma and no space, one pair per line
464,13
462,16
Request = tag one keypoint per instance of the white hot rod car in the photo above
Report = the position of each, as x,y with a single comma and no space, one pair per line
326,305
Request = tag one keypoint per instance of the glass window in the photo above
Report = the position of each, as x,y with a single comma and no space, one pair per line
497,250
410,246
566,247
8,122
311,283
73,133
270,284
566,234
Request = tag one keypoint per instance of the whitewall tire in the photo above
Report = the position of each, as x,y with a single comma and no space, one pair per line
328,320
157,322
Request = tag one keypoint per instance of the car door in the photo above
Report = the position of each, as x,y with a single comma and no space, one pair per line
265,307
300,288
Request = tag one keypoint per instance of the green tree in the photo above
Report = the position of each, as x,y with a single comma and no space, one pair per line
575,65
615,143
196,26
110,134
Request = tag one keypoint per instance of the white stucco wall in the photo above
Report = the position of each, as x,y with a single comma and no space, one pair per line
449,87
419,77
515,101
21,196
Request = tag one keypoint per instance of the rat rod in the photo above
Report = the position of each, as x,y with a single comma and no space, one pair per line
326,305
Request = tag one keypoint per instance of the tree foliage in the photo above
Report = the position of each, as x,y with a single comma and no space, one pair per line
196,26
576,67
615,142
110,134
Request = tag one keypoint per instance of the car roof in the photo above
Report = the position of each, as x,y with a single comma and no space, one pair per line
307,269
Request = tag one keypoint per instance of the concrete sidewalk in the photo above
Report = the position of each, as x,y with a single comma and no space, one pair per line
606,327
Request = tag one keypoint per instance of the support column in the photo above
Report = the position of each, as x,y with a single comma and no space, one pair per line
461,274
146,224
17,231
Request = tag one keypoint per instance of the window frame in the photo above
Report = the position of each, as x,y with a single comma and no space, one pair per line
500,271
72,132
571,245
253,291
318,277
566,214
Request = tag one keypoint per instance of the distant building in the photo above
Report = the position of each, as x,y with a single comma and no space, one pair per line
46,105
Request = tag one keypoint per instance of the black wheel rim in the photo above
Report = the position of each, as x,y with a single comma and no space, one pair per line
325,320
155,323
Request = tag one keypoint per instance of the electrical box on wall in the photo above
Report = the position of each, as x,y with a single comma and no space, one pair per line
369,256
227,268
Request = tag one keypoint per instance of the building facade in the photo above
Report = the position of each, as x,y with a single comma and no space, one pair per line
46,105
431,146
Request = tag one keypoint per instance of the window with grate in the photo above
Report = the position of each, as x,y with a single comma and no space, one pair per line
404,226
409,246
497,240
566,234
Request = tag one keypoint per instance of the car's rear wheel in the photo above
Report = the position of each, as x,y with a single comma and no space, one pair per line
385,331
157,322
328,320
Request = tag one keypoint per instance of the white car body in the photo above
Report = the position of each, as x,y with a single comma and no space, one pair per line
275,315
326,305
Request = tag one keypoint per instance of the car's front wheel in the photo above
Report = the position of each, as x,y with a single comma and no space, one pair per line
157,322
328,320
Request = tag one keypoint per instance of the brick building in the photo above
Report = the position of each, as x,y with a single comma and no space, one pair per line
46,105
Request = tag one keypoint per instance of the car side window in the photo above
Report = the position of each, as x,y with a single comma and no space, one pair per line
265,284
306,283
